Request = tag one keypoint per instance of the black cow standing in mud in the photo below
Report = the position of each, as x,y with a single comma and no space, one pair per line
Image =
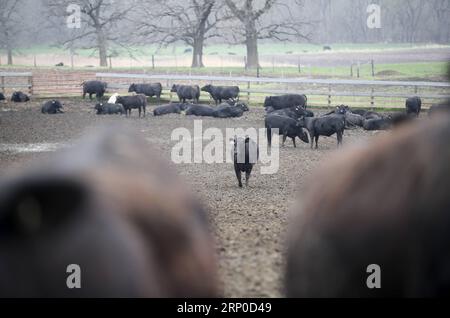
245,155
287,127
133,102
150,90
414,106
187,93
222,93
52,107
324,126
94,87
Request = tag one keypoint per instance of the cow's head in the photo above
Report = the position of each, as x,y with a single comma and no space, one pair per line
207,88
132,88
174,88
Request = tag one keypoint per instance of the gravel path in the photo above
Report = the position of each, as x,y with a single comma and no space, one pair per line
249,224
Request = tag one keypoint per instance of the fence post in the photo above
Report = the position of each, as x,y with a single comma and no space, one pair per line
153,61
373,68
416,89
351,70
248,92
3,84
372,99
299,67
30,83
358,66
34,61
329,96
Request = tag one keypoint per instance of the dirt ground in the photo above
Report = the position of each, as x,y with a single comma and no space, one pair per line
249,224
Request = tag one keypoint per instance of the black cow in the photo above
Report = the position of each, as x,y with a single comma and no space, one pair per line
19,97
245,155
324,126
2,97
174,108
221,93
367,114
385,205
149,90
414,106
287,127
52,107
339,110
187,93
116,210
227,111
294,112
200,110
133,102
94,87
286,101
110,109
377,124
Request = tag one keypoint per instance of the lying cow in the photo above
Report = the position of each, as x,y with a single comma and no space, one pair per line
118,213
149,90
294,112
222,93
187,93
414,106
19,97
200,110
110,109
286,101
245,155
133,102
52,107
287,127
380,209
377,124
94,87
324,126
227,111
173,108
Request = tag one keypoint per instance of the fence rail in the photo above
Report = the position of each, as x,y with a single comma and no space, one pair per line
328,84
16,84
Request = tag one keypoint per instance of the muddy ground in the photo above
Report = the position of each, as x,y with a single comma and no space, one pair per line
249,224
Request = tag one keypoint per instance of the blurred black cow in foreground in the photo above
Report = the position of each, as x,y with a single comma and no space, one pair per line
222,93
114,209
384,205
245,155
52,107
94,87
149,90
19,97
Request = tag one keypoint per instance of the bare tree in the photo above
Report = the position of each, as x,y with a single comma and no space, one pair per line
441,11
281,27
191,22
10,26
99,22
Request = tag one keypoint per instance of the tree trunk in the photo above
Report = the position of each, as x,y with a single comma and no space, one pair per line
10,56
251,41
252,51
197,59
102,48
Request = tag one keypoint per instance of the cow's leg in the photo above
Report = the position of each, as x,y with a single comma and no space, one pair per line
284,139
90,96
84,95
295,144
269,137
339,138
248,174
312,137
317,142
239,176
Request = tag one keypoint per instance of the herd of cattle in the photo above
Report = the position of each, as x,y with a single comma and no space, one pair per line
136,231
